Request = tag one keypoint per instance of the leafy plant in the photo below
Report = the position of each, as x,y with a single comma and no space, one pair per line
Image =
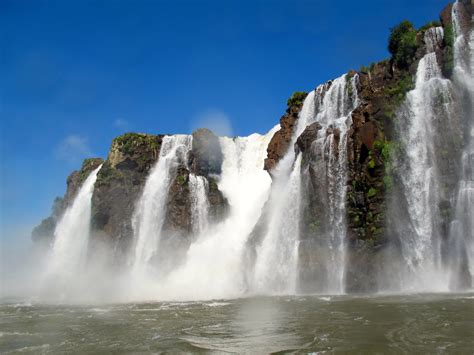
448,55
402,44
297,98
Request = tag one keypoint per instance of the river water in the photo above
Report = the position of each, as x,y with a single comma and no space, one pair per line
434,323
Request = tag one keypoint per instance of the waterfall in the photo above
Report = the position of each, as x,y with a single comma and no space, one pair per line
71,235
276,266
329,163
150,211
462,227
199,187
214,264
424,122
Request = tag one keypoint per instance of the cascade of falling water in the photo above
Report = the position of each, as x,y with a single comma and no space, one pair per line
150,211
418,123
72,233
330,152
462,227
214,266
198,187
276,267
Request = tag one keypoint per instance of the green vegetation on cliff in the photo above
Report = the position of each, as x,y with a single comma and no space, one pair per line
402,44
448,54
128,143
297,98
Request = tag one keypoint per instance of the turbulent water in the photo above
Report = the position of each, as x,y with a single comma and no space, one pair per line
428,324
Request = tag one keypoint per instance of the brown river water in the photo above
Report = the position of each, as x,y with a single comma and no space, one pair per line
390,324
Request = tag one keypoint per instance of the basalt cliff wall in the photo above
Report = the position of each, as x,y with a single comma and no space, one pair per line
373,162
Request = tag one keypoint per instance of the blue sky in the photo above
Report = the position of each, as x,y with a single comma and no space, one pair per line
75,74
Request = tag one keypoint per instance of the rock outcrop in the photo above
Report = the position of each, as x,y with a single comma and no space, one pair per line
374,157
280,141
205,159
119,184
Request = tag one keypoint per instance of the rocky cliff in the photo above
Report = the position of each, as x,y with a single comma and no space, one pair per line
373,167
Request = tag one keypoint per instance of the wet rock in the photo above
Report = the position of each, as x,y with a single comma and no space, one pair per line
205,158
119,185
280,141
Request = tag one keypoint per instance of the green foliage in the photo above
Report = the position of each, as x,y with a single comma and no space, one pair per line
387,151
181,179
108,175
397,92
297,98
88,165
356,220
402,44
128,143
372,192
448,55
448,38
388,182
371,164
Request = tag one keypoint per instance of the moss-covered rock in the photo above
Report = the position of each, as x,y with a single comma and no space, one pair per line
119,185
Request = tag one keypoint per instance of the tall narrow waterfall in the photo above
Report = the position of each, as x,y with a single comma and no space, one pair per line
426,124
329,163
150,211
71,235
462,227
276,267
214,265
199,187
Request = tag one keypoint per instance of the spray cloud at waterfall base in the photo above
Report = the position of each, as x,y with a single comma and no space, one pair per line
365,186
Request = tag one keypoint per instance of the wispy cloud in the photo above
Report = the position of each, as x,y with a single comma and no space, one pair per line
214,119
121,124
73,148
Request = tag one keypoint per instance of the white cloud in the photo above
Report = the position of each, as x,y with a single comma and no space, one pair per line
216,120
121,124
73,148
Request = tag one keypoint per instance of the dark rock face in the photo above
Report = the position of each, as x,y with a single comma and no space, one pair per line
445,15
178,207
119,185
205,157
370,142
44,232
280,141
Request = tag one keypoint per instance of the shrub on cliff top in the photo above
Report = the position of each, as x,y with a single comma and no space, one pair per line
402,43
297,98
129,142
